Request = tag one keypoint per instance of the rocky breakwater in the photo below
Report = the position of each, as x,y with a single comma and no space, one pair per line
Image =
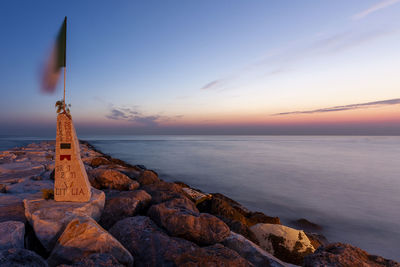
134,218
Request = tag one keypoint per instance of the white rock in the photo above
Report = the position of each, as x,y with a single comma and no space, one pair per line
49,218
12,234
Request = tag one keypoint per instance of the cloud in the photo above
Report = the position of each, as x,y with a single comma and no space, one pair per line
374,8
136,117
285,60
395,101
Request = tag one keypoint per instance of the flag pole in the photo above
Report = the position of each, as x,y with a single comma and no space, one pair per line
65,59
64,87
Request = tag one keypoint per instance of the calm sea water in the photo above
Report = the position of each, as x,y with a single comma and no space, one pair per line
349,185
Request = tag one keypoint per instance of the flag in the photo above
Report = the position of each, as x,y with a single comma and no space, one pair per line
56,61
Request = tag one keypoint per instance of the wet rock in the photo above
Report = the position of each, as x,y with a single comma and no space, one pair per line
181,218
12,234
147,177
96,260
49,218
306,225
345,255
150,246
317,240
111,179
3,188
96,162
251,252
163,191
19,257
285,243
120,205
82,237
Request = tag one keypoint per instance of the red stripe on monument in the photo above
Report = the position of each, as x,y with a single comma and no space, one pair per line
67,157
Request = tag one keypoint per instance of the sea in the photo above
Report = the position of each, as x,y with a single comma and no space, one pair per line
350,185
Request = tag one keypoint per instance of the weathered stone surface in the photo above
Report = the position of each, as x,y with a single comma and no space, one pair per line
71,182
96,162
147,177
120,205
150,246
345,255
181,218
96,260
82,237
306,225
12,235
285,243
237,217
251,252
317,240
111,179
163,191
18,257
49,218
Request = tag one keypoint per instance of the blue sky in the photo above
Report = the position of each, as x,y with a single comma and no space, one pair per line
204,66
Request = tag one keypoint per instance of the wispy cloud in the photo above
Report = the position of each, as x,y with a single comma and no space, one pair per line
136,117
285,60
395,101
380,5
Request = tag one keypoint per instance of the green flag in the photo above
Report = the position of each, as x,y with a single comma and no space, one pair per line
56,60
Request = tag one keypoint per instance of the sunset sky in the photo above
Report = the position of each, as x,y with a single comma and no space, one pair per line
205,67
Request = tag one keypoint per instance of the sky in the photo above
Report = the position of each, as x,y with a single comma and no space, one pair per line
205,67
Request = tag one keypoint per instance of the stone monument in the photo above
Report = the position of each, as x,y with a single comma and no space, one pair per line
70,178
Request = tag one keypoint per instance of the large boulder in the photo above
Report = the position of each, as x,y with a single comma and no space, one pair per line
163,191
12,234
19,257
147,177
111,179
251,252
97,161
285,243
153,247
120,205
82,237
96,260
345,255
237,217
49,218
181,218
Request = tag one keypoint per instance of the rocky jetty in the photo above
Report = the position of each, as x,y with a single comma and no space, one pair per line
134,218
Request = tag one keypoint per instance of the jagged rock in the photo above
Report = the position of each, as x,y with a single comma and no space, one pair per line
49,218
111,179
96,162
306,225
29,185
237,217
96,260
150,246
345,255
181,218
147,177
251,252
82,237
285,243
120,205
3,188
317,240
19,257
12,234
163,191
12,207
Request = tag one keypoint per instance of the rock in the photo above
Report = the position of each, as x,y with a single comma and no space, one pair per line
19,257
147,177
306,225
345,255
237,217
120,205
150,246
111,179
196,196
3,188
82,237
49,218
251,252
96,162
96,260
163,191
12,207
12,235
285,243
181,218
317,240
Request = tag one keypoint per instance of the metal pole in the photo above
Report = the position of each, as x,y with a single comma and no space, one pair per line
64,86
